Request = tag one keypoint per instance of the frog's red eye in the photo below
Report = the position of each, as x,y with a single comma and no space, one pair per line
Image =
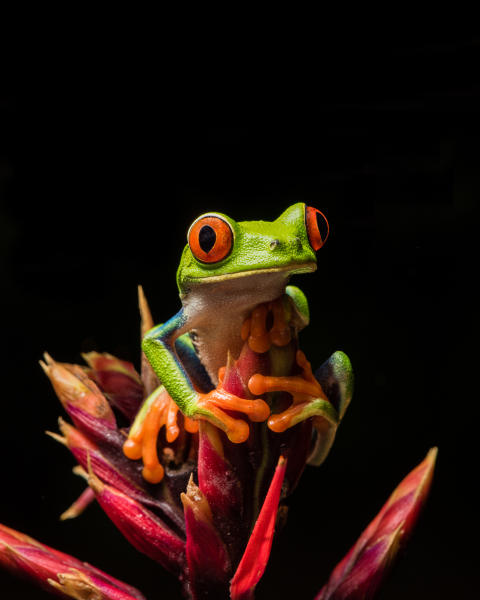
317,227
210,239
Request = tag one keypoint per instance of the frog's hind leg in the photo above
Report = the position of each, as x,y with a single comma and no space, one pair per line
335,376
300,303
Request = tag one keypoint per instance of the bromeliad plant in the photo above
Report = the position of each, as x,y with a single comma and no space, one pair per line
193,458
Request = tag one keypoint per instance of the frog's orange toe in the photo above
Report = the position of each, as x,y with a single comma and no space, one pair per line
260,336
190,425
259,411
304,389
257,384
280,422
215,403
142,440
132,449
153,474
237,430
239,433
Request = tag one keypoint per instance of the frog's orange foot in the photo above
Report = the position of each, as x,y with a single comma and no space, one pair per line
308,397
259,336
158,411
212,407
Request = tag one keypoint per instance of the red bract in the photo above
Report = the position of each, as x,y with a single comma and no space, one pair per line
257,552
210,518
360,573
59,573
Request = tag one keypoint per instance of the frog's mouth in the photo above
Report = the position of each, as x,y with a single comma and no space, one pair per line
287,270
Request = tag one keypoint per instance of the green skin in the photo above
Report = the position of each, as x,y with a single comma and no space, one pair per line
217,298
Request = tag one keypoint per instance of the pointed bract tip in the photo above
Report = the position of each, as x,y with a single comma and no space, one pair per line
70,513
93,481
145,314
89,357
187,497
47,357
72,437
195,500
45,367
79,506
432,454
57,437
190,484
230,359
80,471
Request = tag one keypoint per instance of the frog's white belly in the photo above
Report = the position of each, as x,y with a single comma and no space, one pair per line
216,312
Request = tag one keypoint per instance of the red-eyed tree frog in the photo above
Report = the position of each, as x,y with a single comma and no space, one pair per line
229,272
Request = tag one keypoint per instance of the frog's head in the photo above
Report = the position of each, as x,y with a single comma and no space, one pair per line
221,250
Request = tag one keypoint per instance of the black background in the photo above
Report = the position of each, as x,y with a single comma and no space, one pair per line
103,168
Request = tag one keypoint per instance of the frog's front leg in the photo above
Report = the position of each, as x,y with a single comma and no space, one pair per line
158,345
308,397
324,397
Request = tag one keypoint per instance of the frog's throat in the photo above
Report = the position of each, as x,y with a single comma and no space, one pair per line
289,269
215,314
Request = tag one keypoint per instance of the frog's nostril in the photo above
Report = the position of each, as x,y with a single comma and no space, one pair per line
274,244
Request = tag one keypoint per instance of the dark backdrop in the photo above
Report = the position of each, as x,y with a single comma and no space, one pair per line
100,182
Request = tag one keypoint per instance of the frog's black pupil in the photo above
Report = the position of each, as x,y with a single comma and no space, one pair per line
207,238
322,226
